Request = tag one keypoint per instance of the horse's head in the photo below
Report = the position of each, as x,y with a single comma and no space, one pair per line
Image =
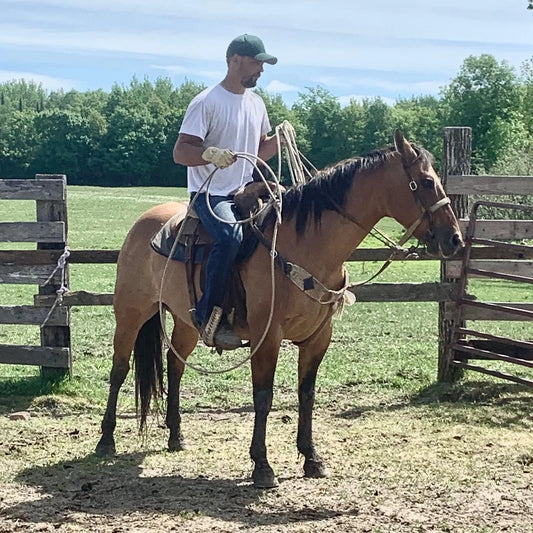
421,204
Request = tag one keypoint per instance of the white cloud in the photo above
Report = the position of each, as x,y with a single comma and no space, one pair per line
48,82
180,70
276,86
388,47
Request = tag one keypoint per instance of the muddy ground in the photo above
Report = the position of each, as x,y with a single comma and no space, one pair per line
398,467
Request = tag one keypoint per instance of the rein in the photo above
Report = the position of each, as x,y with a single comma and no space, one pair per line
398,251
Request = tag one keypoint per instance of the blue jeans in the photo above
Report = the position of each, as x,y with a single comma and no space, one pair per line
228,239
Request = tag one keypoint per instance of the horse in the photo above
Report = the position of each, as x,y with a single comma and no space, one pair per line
322,223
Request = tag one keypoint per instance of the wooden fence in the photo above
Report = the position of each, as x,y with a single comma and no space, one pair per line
459,184
37,267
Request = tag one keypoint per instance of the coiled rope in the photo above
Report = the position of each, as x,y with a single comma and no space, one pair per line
286,132
61,265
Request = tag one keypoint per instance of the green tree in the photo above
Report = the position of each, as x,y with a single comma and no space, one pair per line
176,101
18,143
69,143
526,104
378,129
320,113
420,119
485,95
135,134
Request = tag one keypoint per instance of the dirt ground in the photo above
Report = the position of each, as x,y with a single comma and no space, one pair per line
393,468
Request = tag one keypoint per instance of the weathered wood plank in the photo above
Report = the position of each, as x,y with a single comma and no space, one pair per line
520,268
46,356
32,231
29,275
33,189
31,315
48,210
477,313
501,229
45,257
372,292
405,292
489,185
76,298
456,156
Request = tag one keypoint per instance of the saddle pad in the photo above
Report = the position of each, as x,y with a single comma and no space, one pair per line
163,241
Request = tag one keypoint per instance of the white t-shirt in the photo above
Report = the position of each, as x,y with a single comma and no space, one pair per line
225,120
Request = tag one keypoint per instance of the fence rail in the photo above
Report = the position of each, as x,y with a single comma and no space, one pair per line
50,232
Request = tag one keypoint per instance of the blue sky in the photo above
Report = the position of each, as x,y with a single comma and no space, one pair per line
352,48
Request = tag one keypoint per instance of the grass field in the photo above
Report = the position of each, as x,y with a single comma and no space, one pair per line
406,453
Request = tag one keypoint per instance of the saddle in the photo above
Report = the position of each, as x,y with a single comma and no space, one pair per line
195,244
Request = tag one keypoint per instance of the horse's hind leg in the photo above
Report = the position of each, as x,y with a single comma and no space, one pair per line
184,339
310,356
123,342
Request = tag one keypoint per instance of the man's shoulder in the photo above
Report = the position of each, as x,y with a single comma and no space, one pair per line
205,94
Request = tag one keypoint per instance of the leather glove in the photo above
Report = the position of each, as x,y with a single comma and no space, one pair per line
220,157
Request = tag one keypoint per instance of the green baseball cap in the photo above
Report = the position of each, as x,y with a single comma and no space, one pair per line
252,46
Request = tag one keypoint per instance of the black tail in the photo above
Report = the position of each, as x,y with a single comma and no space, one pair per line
148,366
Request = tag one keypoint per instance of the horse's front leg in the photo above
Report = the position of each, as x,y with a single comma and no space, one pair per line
311,354
263,367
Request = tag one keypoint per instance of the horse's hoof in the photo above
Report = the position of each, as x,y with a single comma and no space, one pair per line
315,469
176,445
264,477
105,450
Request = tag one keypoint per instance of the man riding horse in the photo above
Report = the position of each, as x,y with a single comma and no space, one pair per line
219,122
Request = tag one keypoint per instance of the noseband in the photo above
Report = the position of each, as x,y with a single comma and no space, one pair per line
413,186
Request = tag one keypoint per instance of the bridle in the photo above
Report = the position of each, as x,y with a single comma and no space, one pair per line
426,211
398,250
409,232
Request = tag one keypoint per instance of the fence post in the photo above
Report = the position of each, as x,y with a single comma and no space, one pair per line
52,211
457,151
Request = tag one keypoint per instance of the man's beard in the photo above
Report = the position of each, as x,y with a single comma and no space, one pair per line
249,82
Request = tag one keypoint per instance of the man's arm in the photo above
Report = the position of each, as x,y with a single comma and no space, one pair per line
268,147
188,150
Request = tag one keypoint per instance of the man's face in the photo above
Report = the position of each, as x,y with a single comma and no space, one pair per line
250,71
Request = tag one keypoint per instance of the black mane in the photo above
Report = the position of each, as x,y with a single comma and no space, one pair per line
328,188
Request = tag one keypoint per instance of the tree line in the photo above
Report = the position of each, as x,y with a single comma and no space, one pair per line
125,136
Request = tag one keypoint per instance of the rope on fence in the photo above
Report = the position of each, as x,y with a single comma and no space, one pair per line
61,265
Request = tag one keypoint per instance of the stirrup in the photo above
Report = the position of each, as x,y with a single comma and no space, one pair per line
210,329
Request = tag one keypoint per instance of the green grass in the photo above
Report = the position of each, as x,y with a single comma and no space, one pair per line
386,350
405,453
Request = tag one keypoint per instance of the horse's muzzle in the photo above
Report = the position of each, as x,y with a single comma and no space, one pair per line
443,243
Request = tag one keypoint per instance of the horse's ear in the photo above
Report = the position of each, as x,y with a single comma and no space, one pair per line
403,146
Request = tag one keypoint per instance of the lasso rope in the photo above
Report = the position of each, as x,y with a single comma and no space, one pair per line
275,200
61,265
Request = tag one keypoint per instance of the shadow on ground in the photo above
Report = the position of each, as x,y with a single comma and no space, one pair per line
117,487
481,402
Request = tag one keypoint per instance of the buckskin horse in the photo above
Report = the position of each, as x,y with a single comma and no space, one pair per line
323,221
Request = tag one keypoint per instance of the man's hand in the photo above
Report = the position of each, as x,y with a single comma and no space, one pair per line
220,157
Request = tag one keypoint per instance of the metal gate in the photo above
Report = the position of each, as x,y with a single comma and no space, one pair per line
470,344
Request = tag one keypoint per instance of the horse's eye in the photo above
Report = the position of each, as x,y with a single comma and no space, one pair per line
428,183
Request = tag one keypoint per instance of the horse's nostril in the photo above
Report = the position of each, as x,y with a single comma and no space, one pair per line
457,240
